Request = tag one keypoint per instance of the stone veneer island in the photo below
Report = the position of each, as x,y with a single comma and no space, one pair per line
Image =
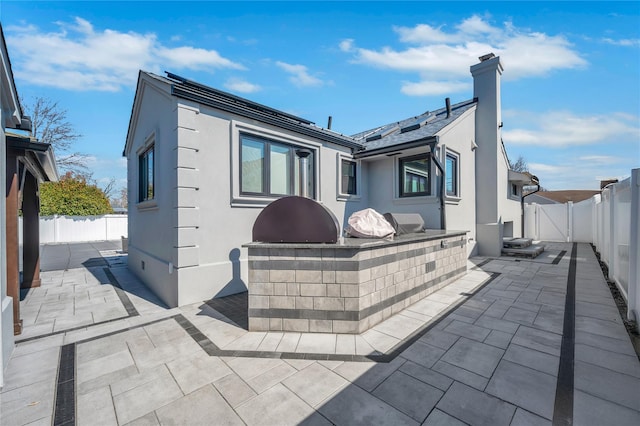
350,286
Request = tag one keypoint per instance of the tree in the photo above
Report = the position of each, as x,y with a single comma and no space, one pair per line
49,124
109,188
520,165
121,200
72,196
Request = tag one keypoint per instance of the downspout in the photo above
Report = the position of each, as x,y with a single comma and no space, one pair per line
443,183
536,181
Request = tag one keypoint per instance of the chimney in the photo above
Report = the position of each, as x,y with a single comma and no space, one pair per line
447,102
329,123
487,57
486,90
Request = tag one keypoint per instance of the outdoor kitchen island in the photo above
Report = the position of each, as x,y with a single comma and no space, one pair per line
349,286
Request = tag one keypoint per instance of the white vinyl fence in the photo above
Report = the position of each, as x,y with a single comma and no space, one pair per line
609,221
68,229
570,222
617,237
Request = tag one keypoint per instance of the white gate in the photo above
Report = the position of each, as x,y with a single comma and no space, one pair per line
553,222
560,222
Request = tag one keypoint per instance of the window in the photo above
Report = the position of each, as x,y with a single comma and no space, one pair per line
348,173
514,190
415,176
271,168
146,173
451,170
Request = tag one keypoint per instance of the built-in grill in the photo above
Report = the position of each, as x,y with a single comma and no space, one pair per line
296,220
405,223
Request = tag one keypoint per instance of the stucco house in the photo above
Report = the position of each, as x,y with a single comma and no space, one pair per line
202,164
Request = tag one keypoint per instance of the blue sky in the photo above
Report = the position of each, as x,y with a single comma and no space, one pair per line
570,89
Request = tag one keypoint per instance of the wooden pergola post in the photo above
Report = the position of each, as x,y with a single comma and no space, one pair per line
30,233
13,268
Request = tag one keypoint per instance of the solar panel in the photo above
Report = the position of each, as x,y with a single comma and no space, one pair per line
385,131
418,122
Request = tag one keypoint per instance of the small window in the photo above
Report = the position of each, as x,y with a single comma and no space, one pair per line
146,174
514,190
451,170
415,176
269,168
348,183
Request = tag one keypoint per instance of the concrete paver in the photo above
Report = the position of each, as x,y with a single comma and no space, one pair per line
475,407
325,381
524,387
203,406
411,396
493,359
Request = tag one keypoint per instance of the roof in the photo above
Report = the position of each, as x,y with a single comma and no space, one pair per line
8,83
205,95
40,154
574,195
411,131
524,178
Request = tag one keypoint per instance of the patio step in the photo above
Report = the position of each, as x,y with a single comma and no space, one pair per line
531,251
510,242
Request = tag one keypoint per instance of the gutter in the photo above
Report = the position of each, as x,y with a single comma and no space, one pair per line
431,141
536,182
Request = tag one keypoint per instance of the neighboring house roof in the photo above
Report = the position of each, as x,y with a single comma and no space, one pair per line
420,127
574,195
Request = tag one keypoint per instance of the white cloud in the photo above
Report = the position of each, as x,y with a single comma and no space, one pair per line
438,55
626,42
562,129
346,45
433,88
601,159
578,173
242,86
539,168
299,75
79,57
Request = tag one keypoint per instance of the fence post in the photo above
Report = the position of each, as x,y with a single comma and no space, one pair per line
569,221
536,222
55,228
612,232
594,220
633,293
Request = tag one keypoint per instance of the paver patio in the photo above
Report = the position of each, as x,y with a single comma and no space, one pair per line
495,347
